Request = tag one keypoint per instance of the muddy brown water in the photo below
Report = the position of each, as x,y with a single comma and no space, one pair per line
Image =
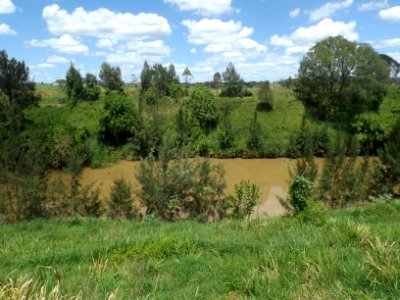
271,175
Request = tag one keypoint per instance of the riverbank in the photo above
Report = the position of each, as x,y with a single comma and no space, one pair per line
353,255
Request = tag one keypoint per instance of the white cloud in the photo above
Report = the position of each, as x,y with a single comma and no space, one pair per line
230,40
6,7
303,38
54,59
63,44
295,12
329,9
105,43
104,24
146,49
203,7
193,51
6,30
281,41
46,66
373,5
388,43
390,14
395,55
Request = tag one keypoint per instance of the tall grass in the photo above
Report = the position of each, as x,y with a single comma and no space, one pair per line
353,255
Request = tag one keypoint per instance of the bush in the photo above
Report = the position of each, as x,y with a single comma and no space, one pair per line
266,97
254,141
202,106
118,120
226,134
121,202
300,192
175,90
246,199
181,188
149,96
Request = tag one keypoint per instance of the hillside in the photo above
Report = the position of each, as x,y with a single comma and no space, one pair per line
354,255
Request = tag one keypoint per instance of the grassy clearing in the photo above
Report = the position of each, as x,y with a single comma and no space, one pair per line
355,255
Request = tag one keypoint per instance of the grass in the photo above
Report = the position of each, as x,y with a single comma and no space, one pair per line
354,255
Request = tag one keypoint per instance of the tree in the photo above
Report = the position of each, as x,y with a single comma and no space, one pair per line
187,74
118,121
15,83
254,141
111,77
266,97
74,84
217,80
338,79
92,90
203,107
146,77
393,65
233,82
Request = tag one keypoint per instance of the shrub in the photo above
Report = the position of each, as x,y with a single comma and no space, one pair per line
226,134
118,120
175,90
254,141
202,106
266,97
173,189
121,202
246,199
300,191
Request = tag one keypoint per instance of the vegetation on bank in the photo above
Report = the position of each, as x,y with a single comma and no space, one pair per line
353,254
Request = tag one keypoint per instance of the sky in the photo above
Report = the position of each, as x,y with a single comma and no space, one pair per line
264,39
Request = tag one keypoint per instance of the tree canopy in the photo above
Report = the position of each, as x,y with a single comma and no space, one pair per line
74,84
15,83
338,79
233,82
111,77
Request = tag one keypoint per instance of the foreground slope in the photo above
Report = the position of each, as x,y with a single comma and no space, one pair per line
355,254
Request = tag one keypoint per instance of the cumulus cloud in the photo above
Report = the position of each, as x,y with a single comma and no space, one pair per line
104,24
6,7
193,51
6,30
373,5
388,43
329,9
295,12
390,14
46,66
203,7
299,41
230,40
54,59
64,44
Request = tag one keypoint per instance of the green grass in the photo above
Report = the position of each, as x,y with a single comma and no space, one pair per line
355,255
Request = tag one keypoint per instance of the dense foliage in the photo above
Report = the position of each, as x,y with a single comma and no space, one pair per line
339,79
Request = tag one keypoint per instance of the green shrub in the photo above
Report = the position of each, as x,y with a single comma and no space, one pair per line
300,191
247,197
118,120
121,203
266,97
180,188
202,106
175,90
254,141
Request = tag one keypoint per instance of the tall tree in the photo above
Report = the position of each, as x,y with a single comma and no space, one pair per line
92,90
111,77
233,82
74,84
393,65
15,83
339,79
217,80
187,75
146,77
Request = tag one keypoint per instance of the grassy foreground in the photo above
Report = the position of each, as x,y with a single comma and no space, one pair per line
354,255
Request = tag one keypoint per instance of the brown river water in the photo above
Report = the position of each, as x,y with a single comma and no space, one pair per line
271,175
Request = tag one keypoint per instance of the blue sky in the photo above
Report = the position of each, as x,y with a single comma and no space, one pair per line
265,39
